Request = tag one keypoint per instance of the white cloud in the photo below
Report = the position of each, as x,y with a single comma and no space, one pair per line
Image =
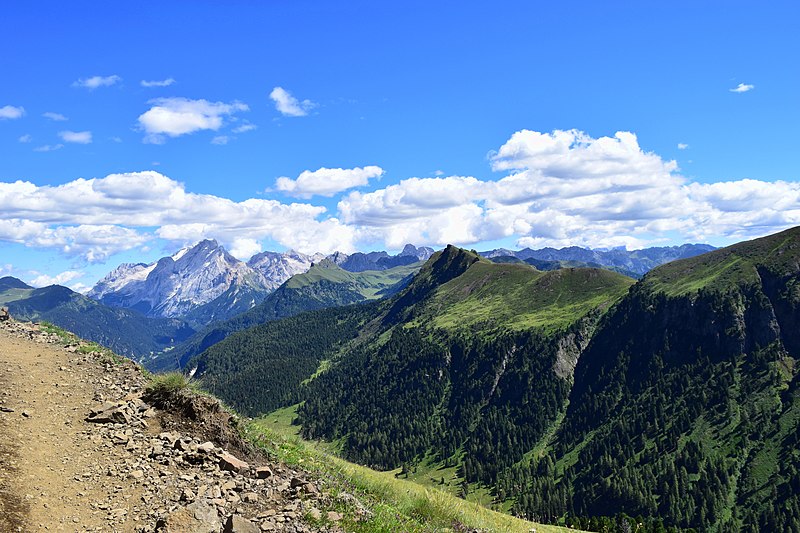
80,287
9,112
74,217
56,117
556,189
288,105
97,81
742,88
683,146
567,188
244,248
79,137
25,138
157,83
181,116
220,140
43,280
327,181
48,148
92,242
244,128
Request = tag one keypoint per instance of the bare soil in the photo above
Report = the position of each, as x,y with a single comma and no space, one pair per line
47,449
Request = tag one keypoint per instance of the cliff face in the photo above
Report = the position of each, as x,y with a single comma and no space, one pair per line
685,403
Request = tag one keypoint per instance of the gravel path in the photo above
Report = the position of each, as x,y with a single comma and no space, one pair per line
46,446
132,468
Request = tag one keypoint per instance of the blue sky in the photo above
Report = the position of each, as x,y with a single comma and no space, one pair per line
129,129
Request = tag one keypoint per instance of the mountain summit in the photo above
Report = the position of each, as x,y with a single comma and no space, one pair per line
181,284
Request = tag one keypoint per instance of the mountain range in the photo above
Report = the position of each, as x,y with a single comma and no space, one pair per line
325,285
568,395
125,331
633,263
203,283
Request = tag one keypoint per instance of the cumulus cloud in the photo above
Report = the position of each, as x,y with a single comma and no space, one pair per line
554,189
567,188
97,81
683,146
25,138
220,140
94,218
327,181
180,116
288,105
79,137
10,112
43,280
92,242
157,83
742,88
56,117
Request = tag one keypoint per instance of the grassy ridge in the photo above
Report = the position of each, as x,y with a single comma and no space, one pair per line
725,269
368,283
518,297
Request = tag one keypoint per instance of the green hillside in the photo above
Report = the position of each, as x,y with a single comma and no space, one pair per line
518,297
565,396
444,370
686,404
124,331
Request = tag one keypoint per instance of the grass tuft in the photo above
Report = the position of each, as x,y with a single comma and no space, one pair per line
168,384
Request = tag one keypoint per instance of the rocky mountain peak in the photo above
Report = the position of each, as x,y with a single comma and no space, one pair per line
422,253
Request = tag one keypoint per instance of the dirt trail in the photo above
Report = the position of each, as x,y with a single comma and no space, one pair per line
48,452
135,468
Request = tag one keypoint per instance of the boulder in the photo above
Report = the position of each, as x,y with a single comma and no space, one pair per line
198,517
237,524
229,462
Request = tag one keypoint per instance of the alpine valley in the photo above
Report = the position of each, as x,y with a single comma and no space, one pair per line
597,389
576,395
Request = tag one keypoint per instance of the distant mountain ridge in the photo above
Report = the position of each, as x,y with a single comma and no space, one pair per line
124,330
204,283
183,283
634,263
325,285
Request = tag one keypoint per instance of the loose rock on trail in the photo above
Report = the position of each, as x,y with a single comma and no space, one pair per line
81,450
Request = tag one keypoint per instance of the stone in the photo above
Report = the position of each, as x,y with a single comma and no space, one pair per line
198,517
231,463
238,524
109,413
206,447
263,472
333,516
